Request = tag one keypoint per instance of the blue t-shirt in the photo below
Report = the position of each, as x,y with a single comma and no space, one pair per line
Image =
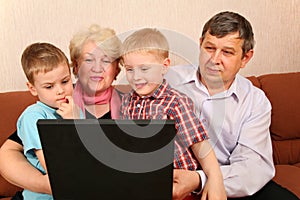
28,133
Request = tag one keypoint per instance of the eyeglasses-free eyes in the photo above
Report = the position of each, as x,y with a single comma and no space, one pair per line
102,63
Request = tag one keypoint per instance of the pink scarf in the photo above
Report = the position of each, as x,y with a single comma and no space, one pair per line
110,95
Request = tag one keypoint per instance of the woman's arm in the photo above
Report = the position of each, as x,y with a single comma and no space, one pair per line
15,168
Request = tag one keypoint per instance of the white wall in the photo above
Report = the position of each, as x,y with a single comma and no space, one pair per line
276,25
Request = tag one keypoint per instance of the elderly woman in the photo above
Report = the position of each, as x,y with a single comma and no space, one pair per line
95,60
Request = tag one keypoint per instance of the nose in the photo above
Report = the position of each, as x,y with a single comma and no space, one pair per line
97,67
136,74
216,57
59,90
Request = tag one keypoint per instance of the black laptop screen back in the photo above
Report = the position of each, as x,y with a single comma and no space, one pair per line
107,159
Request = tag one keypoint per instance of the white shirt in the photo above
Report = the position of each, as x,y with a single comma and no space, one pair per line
237,121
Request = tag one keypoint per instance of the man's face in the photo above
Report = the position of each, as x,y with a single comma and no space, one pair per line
221,59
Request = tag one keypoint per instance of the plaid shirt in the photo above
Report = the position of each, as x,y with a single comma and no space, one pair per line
168,103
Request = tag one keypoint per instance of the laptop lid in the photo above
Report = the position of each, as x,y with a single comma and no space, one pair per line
109,159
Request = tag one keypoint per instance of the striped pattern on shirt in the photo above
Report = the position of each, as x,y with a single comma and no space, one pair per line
168,103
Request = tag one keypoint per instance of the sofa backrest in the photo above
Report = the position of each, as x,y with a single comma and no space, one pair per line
283,91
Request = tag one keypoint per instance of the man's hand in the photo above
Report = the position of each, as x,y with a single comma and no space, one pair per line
184,182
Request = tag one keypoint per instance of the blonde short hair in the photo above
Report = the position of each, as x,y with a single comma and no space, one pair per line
147,40
41,57
105,38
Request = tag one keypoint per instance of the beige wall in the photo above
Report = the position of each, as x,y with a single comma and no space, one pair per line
276,26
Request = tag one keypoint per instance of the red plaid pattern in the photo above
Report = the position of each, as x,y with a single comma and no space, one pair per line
168,103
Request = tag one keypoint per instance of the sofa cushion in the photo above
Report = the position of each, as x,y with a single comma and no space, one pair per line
288,176
297,165
283,92
286,151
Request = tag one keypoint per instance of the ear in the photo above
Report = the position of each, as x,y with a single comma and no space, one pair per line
247,57
118,69
32,89
75,69
201,40
166,64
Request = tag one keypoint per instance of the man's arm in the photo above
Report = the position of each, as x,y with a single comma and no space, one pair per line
250,163
247,173
15,168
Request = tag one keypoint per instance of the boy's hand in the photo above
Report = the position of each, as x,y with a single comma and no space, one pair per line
69,110
184,182
214,189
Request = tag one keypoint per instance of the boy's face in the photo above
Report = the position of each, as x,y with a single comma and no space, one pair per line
145,72
52,87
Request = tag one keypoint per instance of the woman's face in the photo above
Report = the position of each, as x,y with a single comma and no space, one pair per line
96,71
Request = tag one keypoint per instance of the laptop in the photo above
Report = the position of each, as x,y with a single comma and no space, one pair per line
109,159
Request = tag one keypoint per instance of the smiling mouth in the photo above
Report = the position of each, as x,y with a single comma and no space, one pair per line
96,78
139,85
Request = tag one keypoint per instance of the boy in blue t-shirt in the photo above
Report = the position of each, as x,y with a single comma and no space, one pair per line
49,78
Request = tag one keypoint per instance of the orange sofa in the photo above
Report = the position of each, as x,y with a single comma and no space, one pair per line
283,90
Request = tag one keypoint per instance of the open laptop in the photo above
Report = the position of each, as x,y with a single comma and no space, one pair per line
109,159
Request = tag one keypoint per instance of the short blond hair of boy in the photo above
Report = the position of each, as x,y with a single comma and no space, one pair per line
41,57
147,40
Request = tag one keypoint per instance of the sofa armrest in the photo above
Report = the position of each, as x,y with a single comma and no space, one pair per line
12,105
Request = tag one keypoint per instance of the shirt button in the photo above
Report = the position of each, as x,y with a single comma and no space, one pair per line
138,105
